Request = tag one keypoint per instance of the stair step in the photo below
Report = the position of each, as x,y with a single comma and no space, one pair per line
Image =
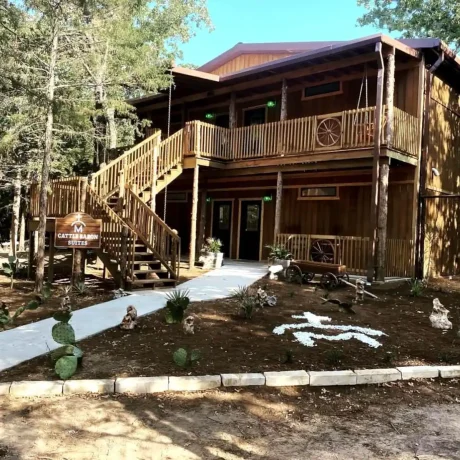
142,253
150,270
148,262
161,280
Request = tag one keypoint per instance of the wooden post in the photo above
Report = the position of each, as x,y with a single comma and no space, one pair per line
197,126
376,162
194,216
153,189
232,111
79,254
382,218
202,227
31,254
123,257
284,100
390,91
279,199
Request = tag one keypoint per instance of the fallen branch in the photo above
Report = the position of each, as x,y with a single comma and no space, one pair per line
353,286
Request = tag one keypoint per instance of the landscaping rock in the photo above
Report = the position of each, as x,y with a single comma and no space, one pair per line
194,383
439,316
89,386
368,376
36,388
141,385
418,372
5,389
332,378
286,378
242,380
447,372
274,270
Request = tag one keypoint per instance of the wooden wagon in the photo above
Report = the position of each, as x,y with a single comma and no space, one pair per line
303,271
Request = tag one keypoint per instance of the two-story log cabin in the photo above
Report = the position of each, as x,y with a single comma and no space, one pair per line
340,151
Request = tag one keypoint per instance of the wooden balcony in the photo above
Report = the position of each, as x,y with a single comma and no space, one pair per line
333,132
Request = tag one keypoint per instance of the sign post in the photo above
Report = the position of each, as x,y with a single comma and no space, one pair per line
77,231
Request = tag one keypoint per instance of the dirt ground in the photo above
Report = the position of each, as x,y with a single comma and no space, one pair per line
400,421
229,343
98,291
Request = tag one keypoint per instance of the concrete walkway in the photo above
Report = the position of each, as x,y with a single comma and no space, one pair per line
31,340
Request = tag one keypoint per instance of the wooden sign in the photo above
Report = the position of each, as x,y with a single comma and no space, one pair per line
78,231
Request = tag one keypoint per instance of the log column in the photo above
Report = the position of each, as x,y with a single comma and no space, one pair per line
202,226
232,111
382,217
376,163
194,216
279,179
79,254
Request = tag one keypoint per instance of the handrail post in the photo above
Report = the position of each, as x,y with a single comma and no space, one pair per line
153,188
197,139
123,257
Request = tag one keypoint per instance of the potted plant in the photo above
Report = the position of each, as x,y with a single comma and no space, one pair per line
279,255
211,254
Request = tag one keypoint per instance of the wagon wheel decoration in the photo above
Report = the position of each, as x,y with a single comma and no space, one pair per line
322,251
329,132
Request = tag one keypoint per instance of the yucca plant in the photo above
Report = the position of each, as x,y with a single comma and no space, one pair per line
80,288
241,293
11,268
177,303
416,287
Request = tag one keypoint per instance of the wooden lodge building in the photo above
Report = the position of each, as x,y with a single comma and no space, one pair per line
347,149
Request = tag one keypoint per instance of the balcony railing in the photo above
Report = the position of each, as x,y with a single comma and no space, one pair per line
350,129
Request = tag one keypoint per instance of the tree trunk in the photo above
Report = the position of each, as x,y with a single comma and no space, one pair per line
194,216
100,129
111,128
43,199
22,232
15,213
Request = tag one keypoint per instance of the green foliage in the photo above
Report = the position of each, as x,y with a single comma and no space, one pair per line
65,350
278,252
66,366
185,359
416,287
80,288
11,268
177,303
63,333
240,294
333,356
288,357
415,18
212,245
248,306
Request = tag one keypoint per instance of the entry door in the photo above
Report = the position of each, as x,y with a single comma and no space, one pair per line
222,224
251,216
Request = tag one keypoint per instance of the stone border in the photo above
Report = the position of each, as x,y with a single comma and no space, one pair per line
151,385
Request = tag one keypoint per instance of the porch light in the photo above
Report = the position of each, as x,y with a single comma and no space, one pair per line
271,104
208,199
209,116
268,198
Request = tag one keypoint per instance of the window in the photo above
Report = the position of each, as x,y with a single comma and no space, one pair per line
224,217
177,197
252,218
318,193
326,89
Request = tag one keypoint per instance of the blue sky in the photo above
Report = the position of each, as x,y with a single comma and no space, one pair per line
251,21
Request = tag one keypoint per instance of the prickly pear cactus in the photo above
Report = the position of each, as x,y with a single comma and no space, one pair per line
63,333
65,350
66,366
195,355
180,357
63,316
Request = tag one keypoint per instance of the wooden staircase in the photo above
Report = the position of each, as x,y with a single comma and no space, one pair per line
138,248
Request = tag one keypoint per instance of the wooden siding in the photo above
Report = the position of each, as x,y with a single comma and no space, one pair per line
245,61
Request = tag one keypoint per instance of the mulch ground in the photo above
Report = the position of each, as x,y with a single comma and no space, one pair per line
230,343
97,291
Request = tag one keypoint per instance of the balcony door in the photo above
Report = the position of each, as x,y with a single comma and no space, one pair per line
250,229
254,117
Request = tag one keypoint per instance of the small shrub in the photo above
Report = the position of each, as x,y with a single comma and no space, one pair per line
240,294
448,357
416,287
80,288
288,357
333,357
65,290
11,269
212,245
278,252
66,358
185,359
248,306
177,303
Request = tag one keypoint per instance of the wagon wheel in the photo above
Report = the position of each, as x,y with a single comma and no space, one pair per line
322,251
328,132
329,281
293,274
307,277
344,277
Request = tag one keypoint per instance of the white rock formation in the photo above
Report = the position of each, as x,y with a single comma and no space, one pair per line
439,316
